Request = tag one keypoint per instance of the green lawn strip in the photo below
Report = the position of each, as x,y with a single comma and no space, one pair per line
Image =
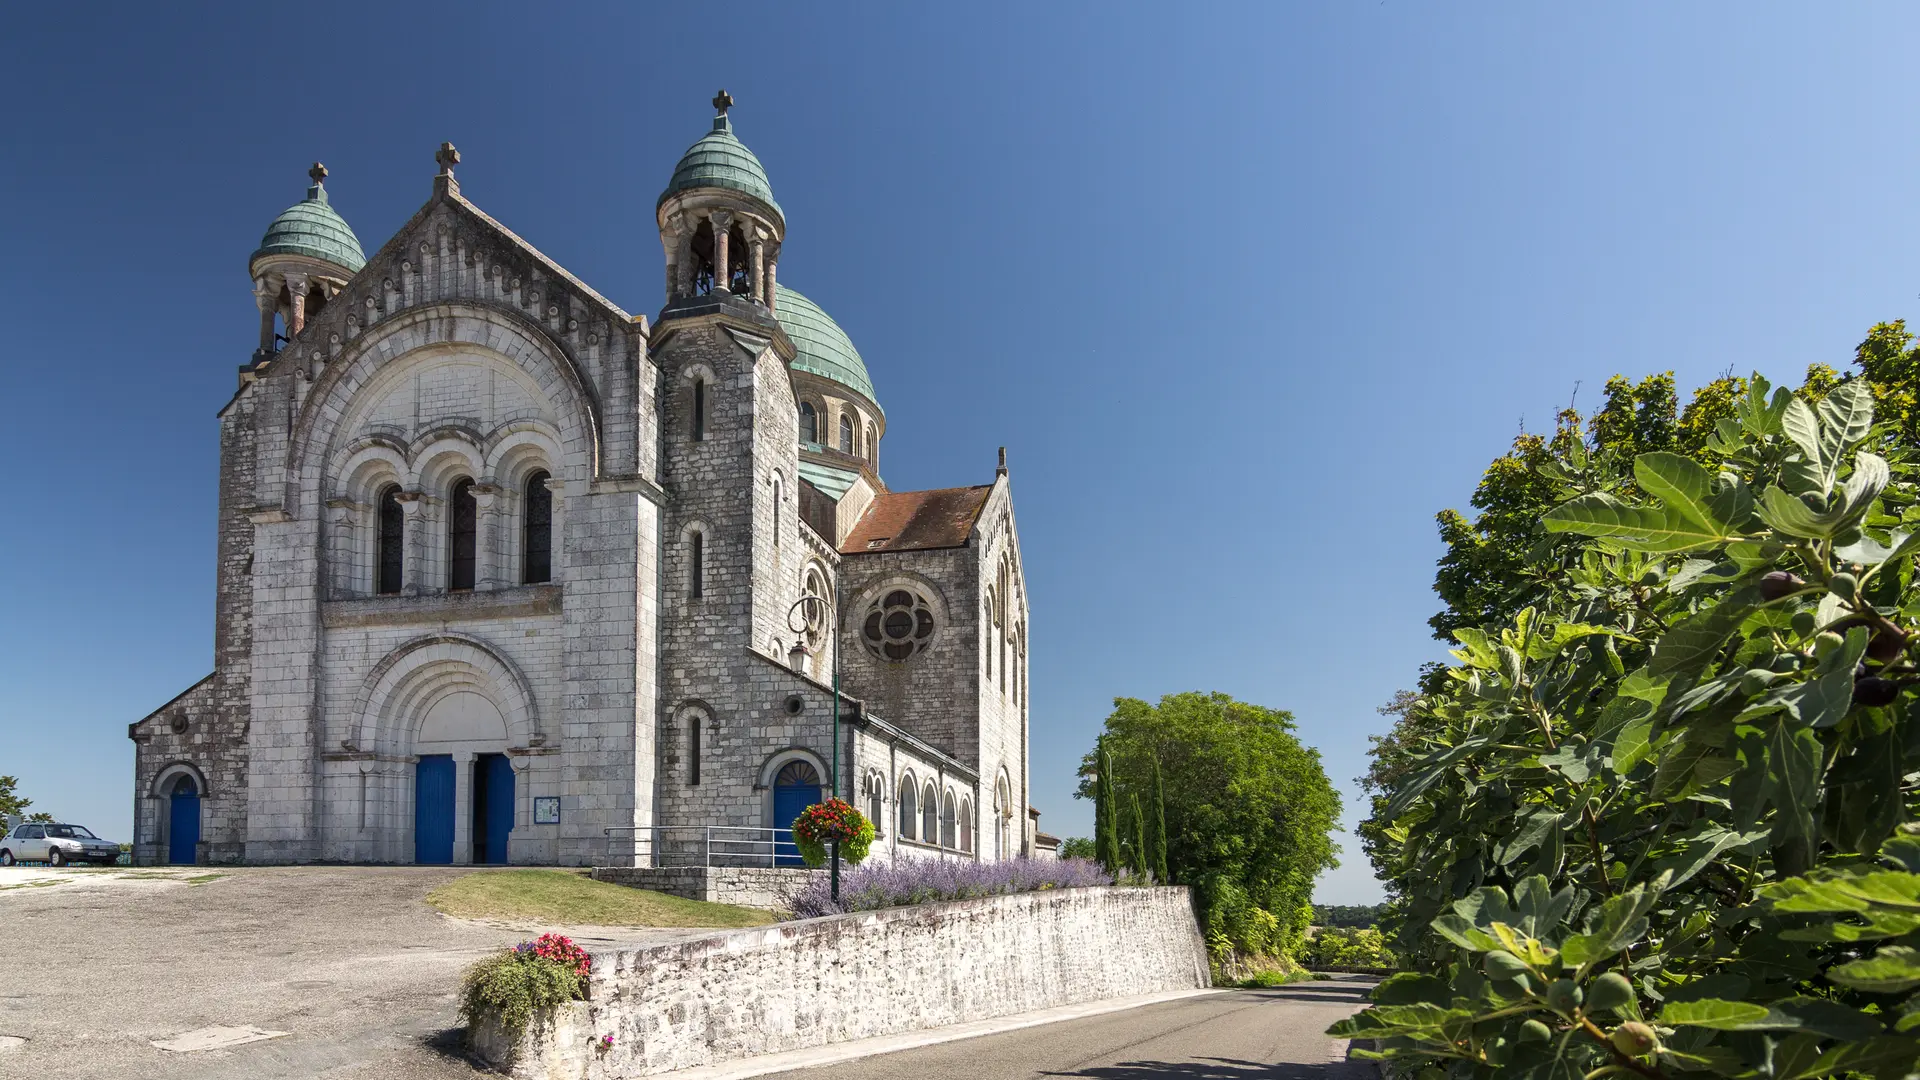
571,898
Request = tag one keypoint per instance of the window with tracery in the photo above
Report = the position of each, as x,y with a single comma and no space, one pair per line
536,539
463,531
392,542
899,625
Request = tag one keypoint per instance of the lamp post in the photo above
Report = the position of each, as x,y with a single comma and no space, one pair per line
833,763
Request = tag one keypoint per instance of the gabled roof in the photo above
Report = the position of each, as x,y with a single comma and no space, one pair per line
918,520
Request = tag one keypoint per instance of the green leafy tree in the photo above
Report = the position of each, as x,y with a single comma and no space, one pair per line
1106,830
1157,829
1077,847
1137,850
11,801
1249,811
1658,822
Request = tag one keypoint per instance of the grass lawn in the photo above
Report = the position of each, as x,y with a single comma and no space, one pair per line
570,897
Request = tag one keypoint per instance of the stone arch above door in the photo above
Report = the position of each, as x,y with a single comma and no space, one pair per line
449,688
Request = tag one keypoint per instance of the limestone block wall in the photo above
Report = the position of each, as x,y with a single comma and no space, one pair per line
796,985
749,886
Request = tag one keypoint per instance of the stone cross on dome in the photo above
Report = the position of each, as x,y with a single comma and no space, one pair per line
723,101
318,174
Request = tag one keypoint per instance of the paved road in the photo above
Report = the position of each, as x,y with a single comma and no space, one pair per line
1238,1035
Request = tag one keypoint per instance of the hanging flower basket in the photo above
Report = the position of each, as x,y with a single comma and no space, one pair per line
824,822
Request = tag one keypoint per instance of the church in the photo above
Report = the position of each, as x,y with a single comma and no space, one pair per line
508,575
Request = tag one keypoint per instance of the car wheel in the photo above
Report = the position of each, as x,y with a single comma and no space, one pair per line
57,858
6,858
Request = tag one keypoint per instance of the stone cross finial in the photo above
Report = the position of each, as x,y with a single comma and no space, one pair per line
448,157
318,174
723,101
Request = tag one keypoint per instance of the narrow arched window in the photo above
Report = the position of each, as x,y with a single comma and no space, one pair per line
908,815
693,749
846,435
966,825
463,529
930,814
392,542
809,423
697,564
873,802
699,409
947,816
873,448
777,516
536,540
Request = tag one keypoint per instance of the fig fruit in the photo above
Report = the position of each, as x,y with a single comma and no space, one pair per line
1634,1038
1887,644
1785,663
1756,681
1533,1031
1874,690
1564,995
1779,584
1805,622
1843,585
1827,642
1610,992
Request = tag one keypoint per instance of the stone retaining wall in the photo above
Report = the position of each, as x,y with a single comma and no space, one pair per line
744,993
751,886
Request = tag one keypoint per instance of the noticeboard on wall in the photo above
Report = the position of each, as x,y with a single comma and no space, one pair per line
546,810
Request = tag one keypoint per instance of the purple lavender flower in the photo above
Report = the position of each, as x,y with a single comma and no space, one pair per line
878,885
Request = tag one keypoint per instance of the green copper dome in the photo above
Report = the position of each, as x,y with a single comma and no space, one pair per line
719,160
820,346
312,228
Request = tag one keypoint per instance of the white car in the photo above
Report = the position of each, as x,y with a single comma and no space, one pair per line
56,844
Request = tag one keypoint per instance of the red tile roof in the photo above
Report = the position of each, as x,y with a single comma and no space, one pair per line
917,520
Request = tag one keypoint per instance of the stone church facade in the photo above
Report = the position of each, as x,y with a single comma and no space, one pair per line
507,574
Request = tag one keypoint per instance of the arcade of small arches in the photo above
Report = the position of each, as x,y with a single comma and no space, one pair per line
840,425
929,811
449,516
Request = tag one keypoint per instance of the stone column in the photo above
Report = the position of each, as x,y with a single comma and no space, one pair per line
342,560
722,229
297,289
557,546
773,264
266,297
758,268
412,544
488,573
463,808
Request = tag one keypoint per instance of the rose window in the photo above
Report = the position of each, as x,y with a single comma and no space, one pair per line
899,626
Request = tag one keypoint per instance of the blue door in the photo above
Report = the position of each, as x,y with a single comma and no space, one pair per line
492,807
796,788
183,826
433,809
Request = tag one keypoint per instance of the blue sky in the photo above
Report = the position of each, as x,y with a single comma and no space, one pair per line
1248,292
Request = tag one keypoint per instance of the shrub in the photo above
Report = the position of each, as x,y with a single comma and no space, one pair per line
868,888
513,984
1346,947
824,822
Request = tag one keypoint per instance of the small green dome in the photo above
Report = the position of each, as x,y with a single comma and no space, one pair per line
820,346
719,160
312,228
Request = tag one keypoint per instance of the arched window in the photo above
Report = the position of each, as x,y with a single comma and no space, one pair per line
697,564
875,783
846,434
536,544
699,409
693,748
873,447
908,814
930,814
1002,813
966,825
463,517
809,423
776,510
392,542
947,814
986,620
899,625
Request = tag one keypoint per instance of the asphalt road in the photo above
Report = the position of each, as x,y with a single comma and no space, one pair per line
1237,1035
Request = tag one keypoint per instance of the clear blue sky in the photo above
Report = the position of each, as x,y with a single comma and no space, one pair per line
1249,292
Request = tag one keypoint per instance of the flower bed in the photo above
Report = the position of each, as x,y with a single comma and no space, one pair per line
867,888
510,987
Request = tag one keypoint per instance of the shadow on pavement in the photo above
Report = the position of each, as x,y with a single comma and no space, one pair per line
1213,1069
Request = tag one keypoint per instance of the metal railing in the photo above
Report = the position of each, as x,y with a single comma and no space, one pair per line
700,845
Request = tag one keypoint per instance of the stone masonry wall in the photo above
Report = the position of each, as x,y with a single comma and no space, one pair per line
795,985
750,886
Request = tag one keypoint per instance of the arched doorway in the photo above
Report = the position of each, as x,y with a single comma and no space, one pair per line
183,822
796,787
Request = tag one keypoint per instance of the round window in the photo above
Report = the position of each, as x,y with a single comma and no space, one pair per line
899,626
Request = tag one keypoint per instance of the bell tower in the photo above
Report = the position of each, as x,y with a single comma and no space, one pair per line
306,257
719,225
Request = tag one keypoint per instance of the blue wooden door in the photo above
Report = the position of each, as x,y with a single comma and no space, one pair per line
496,786
183,826
796,788
433,809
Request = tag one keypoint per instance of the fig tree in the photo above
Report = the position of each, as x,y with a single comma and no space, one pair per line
1779,584
1874,690
1610,992
1827,642
1533,1031
1634,1038
1805,622
1564,995
1843,585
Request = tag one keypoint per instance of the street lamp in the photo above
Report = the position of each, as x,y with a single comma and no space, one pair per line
833,763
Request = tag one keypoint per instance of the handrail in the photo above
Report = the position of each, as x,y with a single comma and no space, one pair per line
699,845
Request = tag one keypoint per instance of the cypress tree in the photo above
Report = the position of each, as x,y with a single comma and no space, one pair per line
1106,835
1138,860
1157,834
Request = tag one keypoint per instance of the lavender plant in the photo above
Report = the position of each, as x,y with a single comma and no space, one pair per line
873,886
